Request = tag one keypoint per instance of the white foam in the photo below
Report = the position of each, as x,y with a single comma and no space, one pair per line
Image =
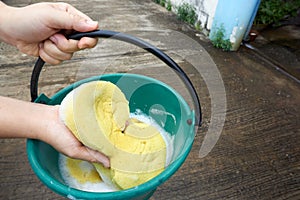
72,182
102,186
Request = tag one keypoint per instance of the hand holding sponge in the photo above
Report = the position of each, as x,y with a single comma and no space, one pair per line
98,114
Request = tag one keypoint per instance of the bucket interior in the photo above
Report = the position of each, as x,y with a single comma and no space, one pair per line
148,95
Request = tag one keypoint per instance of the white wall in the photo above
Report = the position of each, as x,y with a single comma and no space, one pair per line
205,10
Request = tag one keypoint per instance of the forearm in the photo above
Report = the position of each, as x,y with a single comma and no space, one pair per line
20,119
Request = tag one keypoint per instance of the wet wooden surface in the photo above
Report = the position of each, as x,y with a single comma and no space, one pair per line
258,153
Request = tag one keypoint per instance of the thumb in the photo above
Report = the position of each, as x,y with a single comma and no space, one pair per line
72,19
84,25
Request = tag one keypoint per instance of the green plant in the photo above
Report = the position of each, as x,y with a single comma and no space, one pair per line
187,13
219,41
198,26
273,11
169,5
163,3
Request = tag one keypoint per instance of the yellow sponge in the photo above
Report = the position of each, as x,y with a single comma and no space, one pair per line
98,114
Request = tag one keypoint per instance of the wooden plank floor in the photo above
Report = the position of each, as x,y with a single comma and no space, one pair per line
258,153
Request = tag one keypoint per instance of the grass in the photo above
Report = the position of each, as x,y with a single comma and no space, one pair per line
273,11
187,13
219,41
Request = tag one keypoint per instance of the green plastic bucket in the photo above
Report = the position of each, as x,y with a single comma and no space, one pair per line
143,93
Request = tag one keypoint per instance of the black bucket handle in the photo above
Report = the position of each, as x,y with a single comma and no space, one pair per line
132,40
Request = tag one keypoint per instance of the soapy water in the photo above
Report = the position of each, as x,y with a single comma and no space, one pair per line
87,167
71,181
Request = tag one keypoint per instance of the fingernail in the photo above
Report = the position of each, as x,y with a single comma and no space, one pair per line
91,23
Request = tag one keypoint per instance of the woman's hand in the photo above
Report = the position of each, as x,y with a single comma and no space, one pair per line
20,119
39,29
59,136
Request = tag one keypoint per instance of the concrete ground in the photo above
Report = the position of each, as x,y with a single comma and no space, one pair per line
257,151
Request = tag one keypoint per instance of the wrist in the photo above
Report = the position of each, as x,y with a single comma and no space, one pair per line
21,119
6,13
46,122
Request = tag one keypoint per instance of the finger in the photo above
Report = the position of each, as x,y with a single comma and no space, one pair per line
67,17
70,9
87,42
63,44
52,50
47,58
29,49
90,155
99,157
